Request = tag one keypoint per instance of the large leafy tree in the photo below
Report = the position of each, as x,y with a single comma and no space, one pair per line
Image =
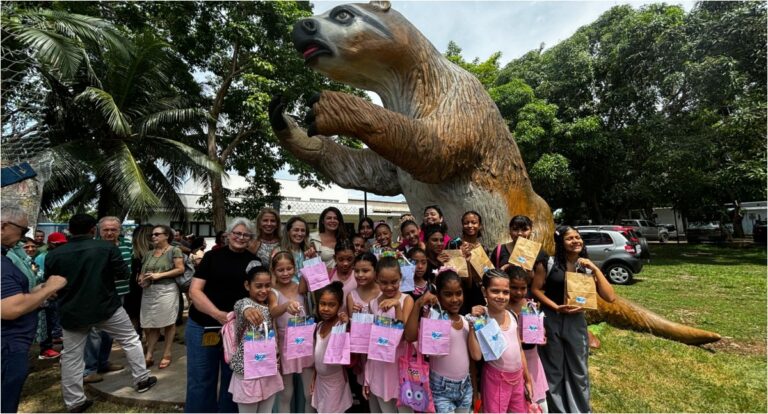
241,54
643,107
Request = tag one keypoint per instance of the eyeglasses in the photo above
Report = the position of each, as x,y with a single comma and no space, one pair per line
240,235
24,230
157,234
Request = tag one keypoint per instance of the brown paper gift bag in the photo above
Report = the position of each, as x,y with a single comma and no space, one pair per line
525,252
580,290
458,261
480,261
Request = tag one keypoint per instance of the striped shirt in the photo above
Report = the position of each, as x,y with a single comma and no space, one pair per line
126,251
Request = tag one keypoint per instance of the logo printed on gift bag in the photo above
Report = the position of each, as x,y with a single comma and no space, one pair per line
299,340
260,357
437,335
382,341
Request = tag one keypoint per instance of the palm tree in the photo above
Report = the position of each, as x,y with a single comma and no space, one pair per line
122,155
109,110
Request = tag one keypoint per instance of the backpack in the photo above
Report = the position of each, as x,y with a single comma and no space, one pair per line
229,337
185,279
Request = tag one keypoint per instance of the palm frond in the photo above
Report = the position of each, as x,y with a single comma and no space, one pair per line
122,173
104,101
198,158
177,116
82,198
166,191
52,49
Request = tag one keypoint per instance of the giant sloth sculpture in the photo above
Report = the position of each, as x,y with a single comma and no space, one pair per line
438,140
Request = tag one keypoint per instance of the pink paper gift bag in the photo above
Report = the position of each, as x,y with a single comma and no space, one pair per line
435,336
259,355
337,352
382,345
316,274
360,332
299,341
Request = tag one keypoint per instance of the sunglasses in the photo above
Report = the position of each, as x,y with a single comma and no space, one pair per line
24,230
157,234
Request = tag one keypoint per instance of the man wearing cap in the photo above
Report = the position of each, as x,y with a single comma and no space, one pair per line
90,299
18,308
99,344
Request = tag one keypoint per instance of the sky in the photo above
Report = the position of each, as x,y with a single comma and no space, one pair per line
481,28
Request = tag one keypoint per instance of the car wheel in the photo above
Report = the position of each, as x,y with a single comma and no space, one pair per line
663,237
618,273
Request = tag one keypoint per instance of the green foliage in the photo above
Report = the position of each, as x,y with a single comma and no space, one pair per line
651,106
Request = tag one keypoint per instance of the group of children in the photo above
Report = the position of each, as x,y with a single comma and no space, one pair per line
366,279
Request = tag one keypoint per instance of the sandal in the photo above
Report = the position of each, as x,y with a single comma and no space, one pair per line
165,362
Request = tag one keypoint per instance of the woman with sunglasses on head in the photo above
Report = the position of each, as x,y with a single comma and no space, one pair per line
160,297
331,230
216,286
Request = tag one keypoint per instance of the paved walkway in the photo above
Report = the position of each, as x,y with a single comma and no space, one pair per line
171,387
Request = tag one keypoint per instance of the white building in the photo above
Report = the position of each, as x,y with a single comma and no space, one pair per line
306,202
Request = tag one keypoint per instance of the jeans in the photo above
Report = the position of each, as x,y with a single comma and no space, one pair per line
73,356
450,395
14,372
53,326
97,351
204,364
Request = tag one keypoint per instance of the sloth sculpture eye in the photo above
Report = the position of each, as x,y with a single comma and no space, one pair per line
343,16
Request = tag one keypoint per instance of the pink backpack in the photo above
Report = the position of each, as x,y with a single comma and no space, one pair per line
229,337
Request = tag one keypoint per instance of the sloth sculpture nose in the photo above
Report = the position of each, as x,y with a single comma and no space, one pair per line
308,25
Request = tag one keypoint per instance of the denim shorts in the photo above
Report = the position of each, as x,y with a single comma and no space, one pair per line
450,395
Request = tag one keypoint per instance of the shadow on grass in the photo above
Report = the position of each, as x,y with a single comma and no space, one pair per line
707,254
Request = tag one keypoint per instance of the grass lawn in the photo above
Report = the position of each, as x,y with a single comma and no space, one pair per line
716,288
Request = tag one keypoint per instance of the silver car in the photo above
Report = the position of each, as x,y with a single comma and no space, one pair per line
617,257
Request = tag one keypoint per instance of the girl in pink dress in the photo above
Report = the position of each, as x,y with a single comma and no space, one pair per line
253,395
358,300
449,377
344,256
285,301
505,380
382,379
330,389
518,281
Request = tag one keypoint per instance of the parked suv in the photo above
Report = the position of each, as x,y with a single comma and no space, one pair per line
616,256
640,243
648,229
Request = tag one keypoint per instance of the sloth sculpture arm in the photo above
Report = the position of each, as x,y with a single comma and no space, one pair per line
361,169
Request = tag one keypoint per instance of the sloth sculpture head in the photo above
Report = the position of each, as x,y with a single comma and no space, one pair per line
358,44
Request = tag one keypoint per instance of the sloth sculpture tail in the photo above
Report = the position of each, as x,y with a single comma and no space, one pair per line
625,314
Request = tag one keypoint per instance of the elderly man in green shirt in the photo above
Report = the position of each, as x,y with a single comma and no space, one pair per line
90,300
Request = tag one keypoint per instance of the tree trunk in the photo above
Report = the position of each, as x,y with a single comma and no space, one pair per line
218,212
736,218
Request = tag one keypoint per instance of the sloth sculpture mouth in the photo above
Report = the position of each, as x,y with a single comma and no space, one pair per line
312,50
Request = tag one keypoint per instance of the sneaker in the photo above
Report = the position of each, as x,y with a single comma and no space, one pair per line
145,385
82,407
92,378
49,354
112,367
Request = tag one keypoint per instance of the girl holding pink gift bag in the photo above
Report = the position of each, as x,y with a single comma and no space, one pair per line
518,280
330,388
449,377
253,395
357,303
505,380
382,379
286,301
